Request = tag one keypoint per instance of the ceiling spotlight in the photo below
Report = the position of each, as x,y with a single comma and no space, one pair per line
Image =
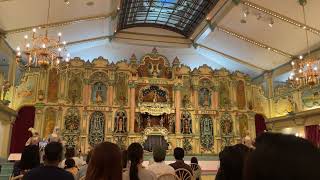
67,2
271,22
300,57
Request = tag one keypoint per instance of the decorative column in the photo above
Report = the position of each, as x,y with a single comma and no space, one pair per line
86,91
110,93
268,76
177,89
132,86
195,87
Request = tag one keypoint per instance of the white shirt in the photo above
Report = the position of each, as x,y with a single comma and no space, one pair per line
160,168
143,174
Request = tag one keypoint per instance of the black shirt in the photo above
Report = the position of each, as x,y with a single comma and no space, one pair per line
48,173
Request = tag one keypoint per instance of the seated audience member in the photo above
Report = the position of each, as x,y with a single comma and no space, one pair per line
105,163
71,167
196,168
159,167
124,160
279,157
50,170
30,158
70,153
83,169
232,160
178,154
136,171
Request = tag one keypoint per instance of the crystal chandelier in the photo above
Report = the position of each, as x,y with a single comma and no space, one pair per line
42,51
305,71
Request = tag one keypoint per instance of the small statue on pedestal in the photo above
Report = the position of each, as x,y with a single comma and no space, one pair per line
161,122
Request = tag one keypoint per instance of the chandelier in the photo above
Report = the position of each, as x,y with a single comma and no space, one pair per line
42,51
305,70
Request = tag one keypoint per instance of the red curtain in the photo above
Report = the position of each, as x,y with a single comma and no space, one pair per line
260,124
313,134
20,133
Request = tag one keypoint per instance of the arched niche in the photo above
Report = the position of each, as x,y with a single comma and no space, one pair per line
226,124
120,122
96,128
53,85
241,95
49,122
243,125
206,132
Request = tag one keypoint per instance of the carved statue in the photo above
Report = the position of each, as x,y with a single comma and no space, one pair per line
34,139
186,122
204,97
99,93
148,121
120,122
161,121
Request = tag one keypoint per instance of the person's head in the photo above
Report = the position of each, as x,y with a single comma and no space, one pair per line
232,160
194,161
30,157
70,152
124,158
89,156
69,163
135,155
178,153
159,154
105,162
279,156
53,153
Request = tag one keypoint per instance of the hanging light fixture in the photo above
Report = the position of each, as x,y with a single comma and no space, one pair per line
41,51
305,70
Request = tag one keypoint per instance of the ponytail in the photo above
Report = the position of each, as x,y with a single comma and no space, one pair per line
134,170
135,155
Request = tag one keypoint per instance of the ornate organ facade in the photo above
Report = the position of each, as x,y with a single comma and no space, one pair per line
201,110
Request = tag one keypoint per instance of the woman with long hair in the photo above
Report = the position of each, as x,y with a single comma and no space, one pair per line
30,158
105,163
196,168
136,170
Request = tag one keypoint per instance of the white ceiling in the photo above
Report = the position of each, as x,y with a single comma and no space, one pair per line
283,36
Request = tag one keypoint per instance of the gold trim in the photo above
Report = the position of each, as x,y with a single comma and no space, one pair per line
281,17
232,58
61,23
254,42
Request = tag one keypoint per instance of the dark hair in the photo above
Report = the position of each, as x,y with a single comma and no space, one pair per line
279,156
194,161
178,153
53,152
159,154
124,158
89,157
70,153
232,160
105,163
69,163
135,155
30,157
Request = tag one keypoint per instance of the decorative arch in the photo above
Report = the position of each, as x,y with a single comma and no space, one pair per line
121,88
206,132
205,93
20,133
53,85
71,127
96,128
75,88
224,95
241,95
226,124
243,125
49,122
120,121
186,123
153,93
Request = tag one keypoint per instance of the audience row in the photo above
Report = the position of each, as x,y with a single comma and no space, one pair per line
275,156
